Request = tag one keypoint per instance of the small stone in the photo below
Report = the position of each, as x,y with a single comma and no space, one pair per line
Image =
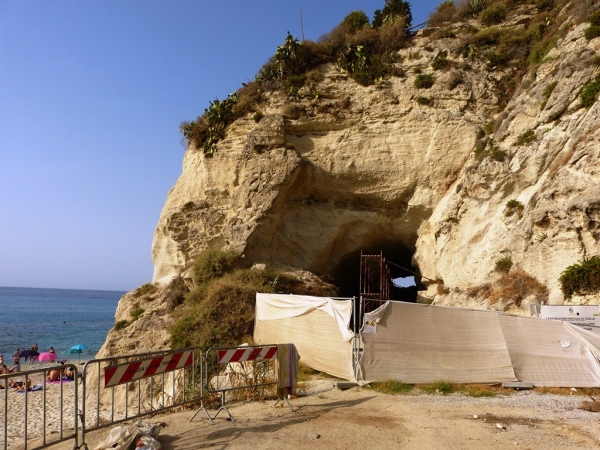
475,416
501,426
318,436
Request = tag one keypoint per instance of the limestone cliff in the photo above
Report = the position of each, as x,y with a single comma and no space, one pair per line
423,174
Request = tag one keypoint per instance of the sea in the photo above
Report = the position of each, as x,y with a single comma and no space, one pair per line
59,318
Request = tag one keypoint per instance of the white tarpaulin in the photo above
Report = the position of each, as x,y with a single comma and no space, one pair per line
280,306
312,326
422,343
417,343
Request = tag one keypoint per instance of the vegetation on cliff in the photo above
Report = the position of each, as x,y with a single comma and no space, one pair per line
219,310
368,52
581,278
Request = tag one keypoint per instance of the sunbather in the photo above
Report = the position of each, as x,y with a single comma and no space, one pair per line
69,374
21,386
54,375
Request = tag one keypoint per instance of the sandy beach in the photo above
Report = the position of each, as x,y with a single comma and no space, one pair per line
360,417
49,397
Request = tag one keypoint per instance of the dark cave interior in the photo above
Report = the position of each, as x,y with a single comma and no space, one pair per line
398,258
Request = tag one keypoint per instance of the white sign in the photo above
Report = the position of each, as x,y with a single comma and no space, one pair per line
370,327
587,317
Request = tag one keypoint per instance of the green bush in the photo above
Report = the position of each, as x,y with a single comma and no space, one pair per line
425,101
212,264
581,278
512,206
445,12
503,265
594,18
439,62
391,10
525,138
136,313
356,20
493,15
424,81
224,314
475,7
121,324
589,92
498,155
208,130
147,288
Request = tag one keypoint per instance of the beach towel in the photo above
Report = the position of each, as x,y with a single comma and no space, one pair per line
35,387
64,380
287,368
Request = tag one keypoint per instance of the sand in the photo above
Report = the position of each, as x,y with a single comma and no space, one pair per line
48,399
329,418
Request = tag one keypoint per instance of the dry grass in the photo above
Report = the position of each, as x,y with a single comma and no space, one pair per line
512,288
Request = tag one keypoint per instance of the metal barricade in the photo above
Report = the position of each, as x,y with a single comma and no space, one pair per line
114,388
238,368
35,406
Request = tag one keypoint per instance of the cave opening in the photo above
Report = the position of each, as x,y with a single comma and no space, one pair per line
398,257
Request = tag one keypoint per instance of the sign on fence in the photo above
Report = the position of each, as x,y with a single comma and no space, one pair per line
243,354
124,373
586,317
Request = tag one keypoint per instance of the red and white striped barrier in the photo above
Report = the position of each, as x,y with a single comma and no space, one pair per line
132,371
242,354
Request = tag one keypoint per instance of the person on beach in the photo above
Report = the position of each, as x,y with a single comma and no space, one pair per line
54,375
21,386
51,350
69,374
16,367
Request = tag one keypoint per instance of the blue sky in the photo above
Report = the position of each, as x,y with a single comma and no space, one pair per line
93,93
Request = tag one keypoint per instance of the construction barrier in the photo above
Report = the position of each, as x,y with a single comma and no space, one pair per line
239,368
113,388
31,412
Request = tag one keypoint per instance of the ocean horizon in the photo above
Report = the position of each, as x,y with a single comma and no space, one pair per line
54,317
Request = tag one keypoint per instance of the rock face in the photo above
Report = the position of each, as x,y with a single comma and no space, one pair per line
393,167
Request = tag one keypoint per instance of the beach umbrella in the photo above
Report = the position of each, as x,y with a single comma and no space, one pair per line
77,348
46,356
26,354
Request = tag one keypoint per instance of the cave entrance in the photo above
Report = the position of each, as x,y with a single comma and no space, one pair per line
396,260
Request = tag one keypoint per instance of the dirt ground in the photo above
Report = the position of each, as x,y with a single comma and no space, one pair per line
358,418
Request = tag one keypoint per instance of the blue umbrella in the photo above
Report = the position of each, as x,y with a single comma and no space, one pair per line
78,348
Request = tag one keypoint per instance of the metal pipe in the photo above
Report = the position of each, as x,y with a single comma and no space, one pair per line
5,411
60,417
43,411
26,387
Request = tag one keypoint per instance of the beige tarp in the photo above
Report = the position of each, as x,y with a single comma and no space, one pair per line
421,344
417,343
550,353
316,330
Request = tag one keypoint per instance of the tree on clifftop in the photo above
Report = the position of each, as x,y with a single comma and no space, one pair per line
393,8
